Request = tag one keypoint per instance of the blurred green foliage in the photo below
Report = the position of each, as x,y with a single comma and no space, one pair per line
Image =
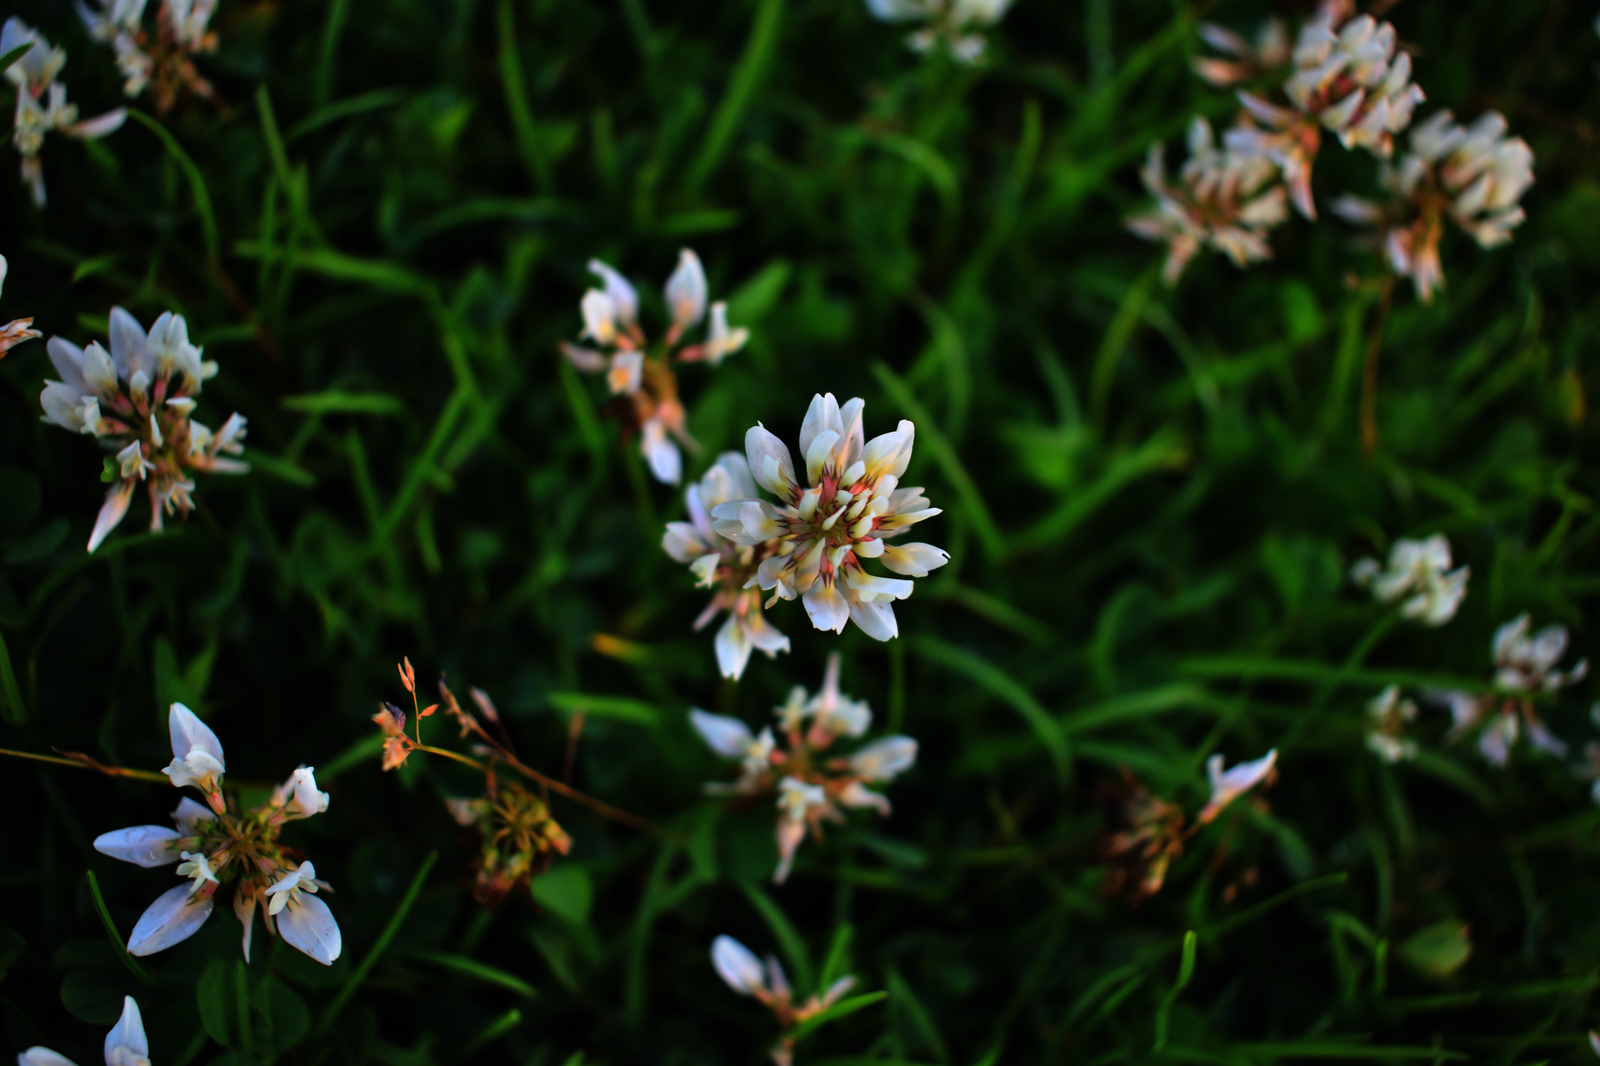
1150,498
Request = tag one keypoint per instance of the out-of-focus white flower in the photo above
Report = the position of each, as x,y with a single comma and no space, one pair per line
1475,175
164,59
137,399
219,848
1348,80
125,1044
810,788
42,102
851,502
1387,716
16,331
1250,60
739,968
644,379
949,22
1524,668
1418,572
724,566
1227,786
1224,200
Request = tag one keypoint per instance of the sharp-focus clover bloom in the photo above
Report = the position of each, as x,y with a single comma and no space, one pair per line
1229,785
950,22
1475,175
1388,714
747,975
1347,79
42,102
222,848
1223,200
164,60
16,331
809,788
848,509
125,1043
1525,669
643,380
1418,573
138,400
725,566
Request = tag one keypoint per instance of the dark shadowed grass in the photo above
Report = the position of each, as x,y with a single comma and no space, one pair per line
1151,499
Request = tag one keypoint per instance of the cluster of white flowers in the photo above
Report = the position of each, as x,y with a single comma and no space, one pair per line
1387,717
42,101
810,789
643,380
216,847
738,966
125,1043
1344,75
17,330
953,23
162,60
726,567
1418,572
848,510
138,400
1524,668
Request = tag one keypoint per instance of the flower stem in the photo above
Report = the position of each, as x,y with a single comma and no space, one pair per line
1369,374
84,762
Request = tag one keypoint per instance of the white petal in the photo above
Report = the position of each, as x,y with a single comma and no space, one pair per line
43,1056
68,361
666,463
870,587
682,541
624,299
171,919
686,291
112,511
876,619
188,732
128,1034
307,925
827,607
189,814
913,560
885,759
726,736
769,460
738,966
128,345
144,845
733,648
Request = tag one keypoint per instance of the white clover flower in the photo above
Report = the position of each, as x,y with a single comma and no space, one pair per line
727,567
646,380
137,399
741,971
738,966
304,921
1388,715
732,739
1226,200
1418,571
851,504
949,22
1524,668
34,75
1268,52
125,1044
1526,663
221,849
164,60
1230,785
833,713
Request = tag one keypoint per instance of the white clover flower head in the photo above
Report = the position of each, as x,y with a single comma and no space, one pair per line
948,23
138,399
125,1044
1226,199
1388,715
34,75
851,503
1227,786
726,567
1418,571
1525,662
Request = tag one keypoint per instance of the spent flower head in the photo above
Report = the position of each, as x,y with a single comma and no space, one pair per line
138,401
747,975
809,787
640,376
848,509
1418,575
725,567
951,23
519,838
16,331
219,848
1525,669
163,60
1144,836
1223,199
42,102
1474,175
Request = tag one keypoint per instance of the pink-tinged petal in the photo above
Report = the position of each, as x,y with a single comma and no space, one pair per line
307,925
856,795
173,918
244,909
790,834
127,1037
738,966
112,512
1228,786
143,845
99,126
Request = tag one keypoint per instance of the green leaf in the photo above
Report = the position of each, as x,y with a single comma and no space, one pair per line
834,1013
618,707
758,52
480,971
565,890
1438,950
214,994
335,401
